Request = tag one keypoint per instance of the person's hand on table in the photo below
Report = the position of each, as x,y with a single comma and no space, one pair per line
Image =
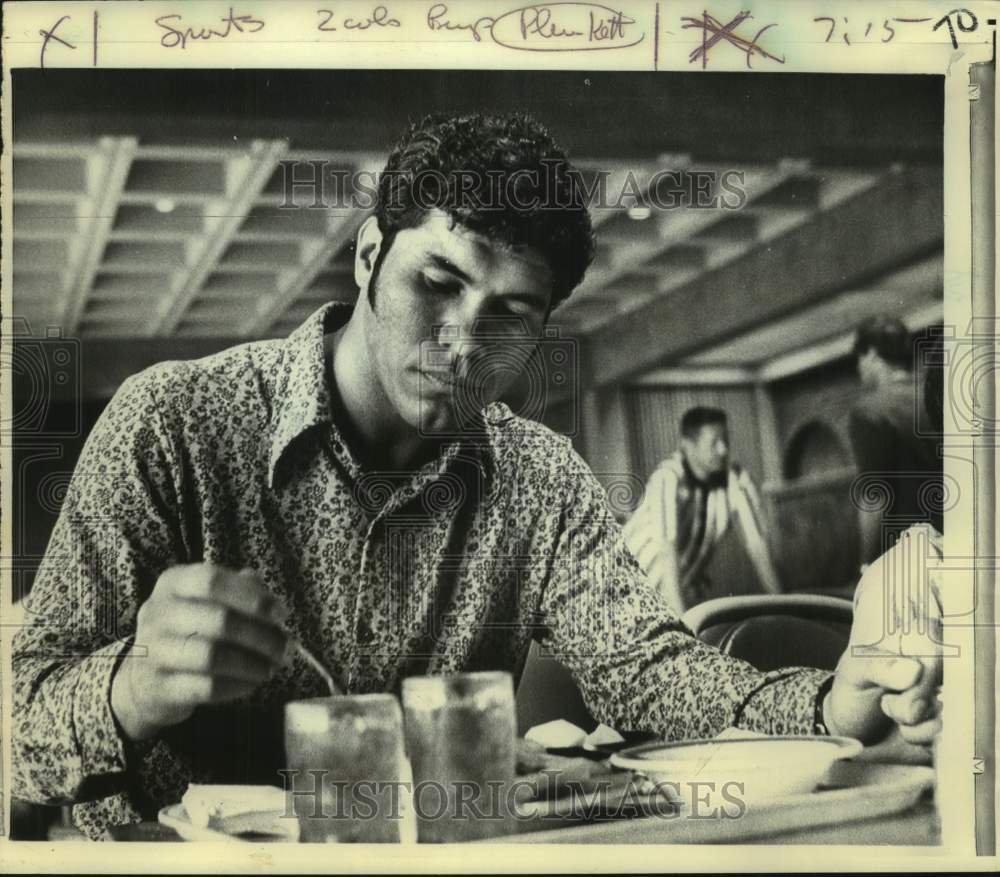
885,699
205,635
886,685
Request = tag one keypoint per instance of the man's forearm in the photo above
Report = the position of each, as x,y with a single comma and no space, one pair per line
680,688
786,703
766,571
64,733
753,529
130,722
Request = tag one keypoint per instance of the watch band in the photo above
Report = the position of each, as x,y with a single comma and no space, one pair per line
819,721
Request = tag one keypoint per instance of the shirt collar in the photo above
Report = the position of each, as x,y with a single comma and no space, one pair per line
303,396
901,376
717,479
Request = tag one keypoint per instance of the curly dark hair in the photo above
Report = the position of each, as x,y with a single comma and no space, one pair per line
695,418
502,176
888,336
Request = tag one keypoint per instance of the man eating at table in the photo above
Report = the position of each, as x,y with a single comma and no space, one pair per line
356,488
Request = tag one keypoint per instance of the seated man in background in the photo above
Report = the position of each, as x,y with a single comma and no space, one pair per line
358,488
688,505
889,451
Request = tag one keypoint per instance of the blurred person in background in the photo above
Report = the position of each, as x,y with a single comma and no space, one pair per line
898,605
688,505
883,428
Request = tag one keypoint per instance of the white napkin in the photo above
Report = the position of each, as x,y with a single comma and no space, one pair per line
600,736
557,734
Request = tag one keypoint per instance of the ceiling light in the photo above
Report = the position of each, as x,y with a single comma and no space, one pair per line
639,212
165,205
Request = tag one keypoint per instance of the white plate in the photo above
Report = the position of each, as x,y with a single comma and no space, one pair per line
275,827
765,767
853,792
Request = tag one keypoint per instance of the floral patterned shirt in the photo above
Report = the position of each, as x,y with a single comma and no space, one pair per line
236,460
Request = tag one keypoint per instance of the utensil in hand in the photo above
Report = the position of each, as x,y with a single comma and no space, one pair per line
314,662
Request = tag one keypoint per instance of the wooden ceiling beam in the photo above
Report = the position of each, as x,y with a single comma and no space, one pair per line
675,227
894,221
247,177
110,163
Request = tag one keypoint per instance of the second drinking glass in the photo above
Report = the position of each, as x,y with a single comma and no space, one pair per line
461,735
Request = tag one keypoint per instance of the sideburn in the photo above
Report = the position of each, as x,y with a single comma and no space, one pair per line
377,267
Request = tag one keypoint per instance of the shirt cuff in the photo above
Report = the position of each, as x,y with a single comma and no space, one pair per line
785,704
100,741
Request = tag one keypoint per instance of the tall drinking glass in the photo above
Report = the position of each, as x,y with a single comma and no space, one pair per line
461,735
349,773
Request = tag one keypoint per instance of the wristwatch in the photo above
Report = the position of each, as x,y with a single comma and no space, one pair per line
819,722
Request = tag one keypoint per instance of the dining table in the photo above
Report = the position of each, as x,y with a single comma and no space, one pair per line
859,815
917,826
